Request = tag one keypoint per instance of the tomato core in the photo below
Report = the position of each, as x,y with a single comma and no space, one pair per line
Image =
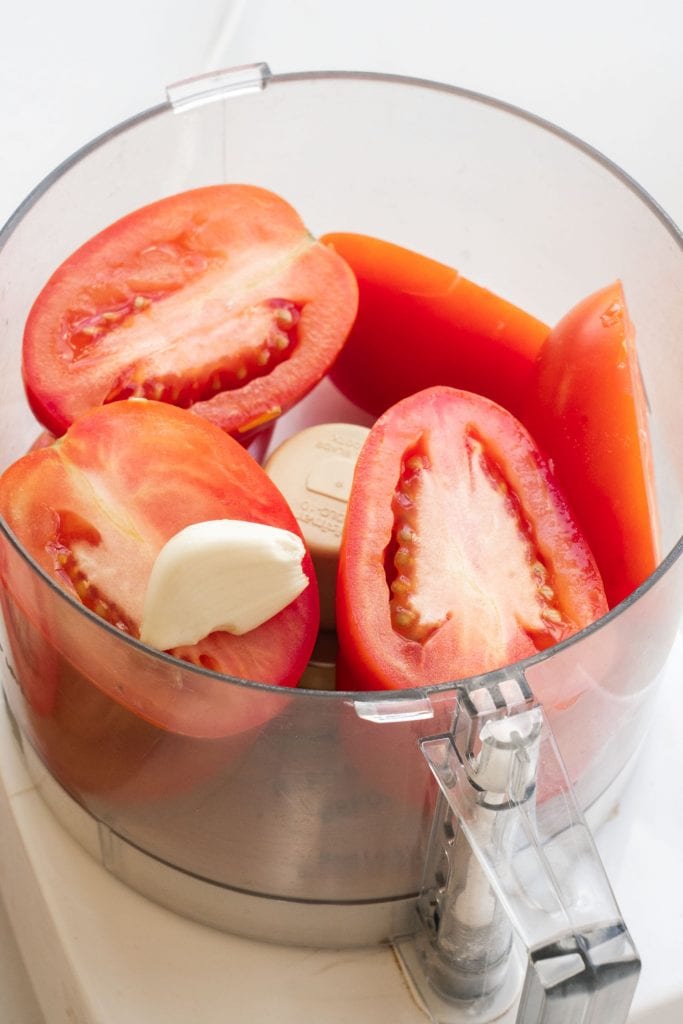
459,554
264,336
217,300
436,568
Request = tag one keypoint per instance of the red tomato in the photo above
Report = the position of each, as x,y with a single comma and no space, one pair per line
31,659
216,300
586,408
459,554
420,324
95,508
93,745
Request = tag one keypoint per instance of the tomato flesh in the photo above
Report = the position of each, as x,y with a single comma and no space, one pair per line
586,408
95,508
216,300
459,553
421,323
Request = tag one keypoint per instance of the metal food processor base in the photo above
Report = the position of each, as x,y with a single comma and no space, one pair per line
250,915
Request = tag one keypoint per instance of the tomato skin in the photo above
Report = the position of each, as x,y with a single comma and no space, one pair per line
480,526
421,324
93,510
31,658
586,408
217,299
96,746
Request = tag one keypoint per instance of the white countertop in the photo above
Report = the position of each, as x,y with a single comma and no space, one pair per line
608,71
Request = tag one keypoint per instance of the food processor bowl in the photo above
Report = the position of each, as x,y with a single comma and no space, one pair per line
304,815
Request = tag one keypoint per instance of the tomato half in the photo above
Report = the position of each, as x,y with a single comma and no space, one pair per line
95,508
459,553
586,408
421,323
216,300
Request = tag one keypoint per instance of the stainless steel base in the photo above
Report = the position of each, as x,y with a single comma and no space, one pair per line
269,919
262,917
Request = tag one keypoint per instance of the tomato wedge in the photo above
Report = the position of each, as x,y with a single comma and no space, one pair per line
421,323
216,300
586,408
95,508
459,553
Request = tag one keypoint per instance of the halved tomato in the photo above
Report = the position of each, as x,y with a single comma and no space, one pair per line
421,323
586,408
94,509
459,553
216,300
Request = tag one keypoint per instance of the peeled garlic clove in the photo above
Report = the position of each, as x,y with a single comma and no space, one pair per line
224,574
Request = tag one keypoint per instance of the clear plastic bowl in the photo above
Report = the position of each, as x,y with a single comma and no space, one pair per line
310,802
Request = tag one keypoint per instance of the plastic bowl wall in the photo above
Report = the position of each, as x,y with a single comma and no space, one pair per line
294,795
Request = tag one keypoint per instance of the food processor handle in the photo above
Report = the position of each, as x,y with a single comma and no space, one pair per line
507,790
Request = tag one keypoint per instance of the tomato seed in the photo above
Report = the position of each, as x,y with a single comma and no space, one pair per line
405,535
400,585
205,383
551,615
258,421
403,618
403,558
86,592
284,316
612,315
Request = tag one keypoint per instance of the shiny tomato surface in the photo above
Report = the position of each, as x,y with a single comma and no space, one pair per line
421,323
95,508
459,553
587,410
216,300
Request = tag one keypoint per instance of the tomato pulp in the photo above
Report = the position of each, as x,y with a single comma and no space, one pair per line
421,323
459,553
95,508
586,408
216,300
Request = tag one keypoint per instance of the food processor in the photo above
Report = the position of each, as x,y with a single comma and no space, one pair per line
447,824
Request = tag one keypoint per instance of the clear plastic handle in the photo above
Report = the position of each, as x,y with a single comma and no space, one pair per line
504,781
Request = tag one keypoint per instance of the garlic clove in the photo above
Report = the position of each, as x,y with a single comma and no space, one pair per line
223,574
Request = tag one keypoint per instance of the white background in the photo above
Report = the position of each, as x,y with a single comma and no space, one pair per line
608,71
